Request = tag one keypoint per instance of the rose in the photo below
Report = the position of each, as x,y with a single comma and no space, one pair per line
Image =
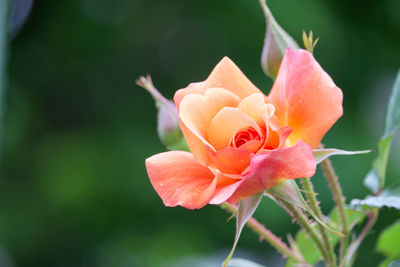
243,142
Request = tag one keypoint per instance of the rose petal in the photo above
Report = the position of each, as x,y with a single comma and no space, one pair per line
225,75
276,139
196,112
254,106
305,97
252,146
231,160
226,186
180,180
268,169
226,123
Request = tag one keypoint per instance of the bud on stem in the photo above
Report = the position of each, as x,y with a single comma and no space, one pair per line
275,43
167,117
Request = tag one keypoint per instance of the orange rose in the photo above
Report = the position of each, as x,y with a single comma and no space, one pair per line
243,142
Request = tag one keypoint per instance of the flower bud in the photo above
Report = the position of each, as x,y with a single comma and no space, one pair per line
167,117
275,43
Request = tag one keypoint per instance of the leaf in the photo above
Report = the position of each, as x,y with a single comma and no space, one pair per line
307,247
375,179
354,217
379,202
291,263
388,241
395,263
376,176
390,198
386,262
392,118
246,209
324,153
236,262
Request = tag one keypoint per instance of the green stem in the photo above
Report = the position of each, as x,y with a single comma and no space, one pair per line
266,234
339,199
302,220
349,257
310,193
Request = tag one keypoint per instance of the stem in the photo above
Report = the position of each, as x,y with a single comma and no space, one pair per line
267,12
350,254
302,220
339,199
266,234
310,193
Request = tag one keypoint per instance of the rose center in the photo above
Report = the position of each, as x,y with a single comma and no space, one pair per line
244,136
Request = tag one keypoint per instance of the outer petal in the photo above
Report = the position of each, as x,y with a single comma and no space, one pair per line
305,97
225,75
226,186
180,180
267,170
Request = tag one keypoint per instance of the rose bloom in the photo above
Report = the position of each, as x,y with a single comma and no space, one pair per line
243,142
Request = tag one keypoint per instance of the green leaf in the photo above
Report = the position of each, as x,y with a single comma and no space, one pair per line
246,209
307,247
395,263
392,118
390,198
386,262
354,217
388,241
324,153
375,179
236,262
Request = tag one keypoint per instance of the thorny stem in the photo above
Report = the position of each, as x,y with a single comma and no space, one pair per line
350,254
310,193
339,199
302,220
266,234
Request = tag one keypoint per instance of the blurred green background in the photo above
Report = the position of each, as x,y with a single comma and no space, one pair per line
76,129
